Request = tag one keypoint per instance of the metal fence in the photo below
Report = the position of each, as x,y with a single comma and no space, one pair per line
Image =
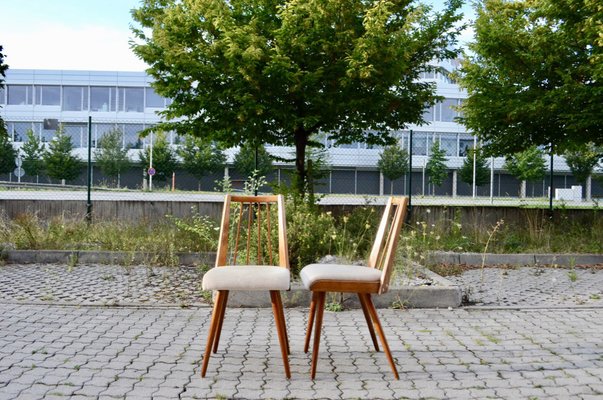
351,176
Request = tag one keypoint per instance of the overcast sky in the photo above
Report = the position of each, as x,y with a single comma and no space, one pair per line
75,34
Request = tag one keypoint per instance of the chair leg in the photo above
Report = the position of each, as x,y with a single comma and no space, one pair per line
213,327
281,328
369,322
373,313
310,321
220,321
282,312
320,304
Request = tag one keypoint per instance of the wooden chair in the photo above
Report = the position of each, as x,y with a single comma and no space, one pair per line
364,281
250,241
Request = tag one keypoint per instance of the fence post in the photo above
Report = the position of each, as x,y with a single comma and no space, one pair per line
89,178
409,177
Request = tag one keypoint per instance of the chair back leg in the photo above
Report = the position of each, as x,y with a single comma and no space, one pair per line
311,316
373,313
220,322
369,321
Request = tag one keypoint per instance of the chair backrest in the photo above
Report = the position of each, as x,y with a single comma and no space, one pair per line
383,253
257,234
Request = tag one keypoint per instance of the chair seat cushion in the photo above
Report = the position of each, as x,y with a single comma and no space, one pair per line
314,273
247,277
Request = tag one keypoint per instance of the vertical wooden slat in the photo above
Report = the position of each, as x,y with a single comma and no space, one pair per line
269,233
223,242
248,232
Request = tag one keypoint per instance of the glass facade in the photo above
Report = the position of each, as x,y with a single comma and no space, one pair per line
48,95
103,98
75,98
20,94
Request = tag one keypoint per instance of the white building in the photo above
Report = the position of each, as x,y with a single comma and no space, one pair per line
36,99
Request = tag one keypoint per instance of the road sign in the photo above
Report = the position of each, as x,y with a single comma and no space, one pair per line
19,172
18,161
151,171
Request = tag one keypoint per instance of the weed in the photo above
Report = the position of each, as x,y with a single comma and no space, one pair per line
334,306
572,275
595,297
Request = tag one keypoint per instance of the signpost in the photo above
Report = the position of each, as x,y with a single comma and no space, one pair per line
19,172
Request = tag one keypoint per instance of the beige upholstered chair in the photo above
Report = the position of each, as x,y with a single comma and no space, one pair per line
364,281
251,240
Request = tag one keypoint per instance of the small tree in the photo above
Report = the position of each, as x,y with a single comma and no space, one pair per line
482,174
33,155
111,156
7,153
436,166
583,160
528,165
245,160
60,163
393,163
201,157
164,159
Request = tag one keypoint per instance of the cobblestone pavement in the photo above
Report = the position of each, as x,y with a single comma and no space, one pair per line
54,352
547,345
533,286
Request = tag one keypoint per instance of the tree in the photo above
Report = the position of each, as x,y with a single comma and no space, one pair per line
583,160
59,162
528,165
482,172
436,166
393,163
7,153
33,155
201,157
245,160
111,156
280,71
534,75
164,159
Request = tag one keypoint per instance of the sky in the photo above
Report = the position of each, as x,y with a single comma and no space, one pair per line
78,34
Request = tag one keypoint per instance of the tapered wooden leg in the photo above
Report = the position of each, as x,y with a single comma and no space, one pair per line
373,313
282,312
320,305
310,321
369,322
213,327
220,321
281,328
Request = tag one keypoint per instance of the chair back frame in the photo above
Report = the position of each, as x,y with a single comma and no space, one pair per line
259,202
383,253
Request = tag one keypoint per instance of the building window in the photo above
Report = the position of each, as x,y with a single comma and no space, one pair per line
448,110
428,114
48,95
20,94
2,93
419,144
153,100
103,98
75,98
465,143
131,99
448,143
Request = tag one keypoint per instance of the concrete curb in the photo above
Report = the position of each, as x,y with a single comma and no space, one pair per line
563,260
98,257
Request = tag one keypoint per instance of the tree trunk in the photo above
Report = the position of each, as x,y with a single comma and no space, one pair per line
301,142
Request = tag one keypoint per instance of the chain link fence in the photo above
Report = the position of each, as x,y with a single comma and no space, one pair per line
348,175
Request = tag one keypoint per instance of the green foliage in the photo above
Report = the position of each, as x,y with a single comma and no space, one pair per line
245,160
3,68
278,72
59,162
33,155
528,165
203,229
436,165
310,234
534,75
583,160
7,153
482,171
393,163
201,156
111,156
164,159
